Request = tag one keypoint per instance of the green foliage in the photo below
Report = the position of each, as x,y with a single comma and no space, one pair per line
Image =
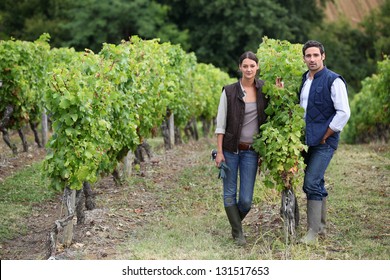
18,193
82,103
279,141
180,96
206,83
23,72
370,111
376,28
92,22
354,52
347,52
216,31
27,20
221,30
138,71
103,105
88,23
301,16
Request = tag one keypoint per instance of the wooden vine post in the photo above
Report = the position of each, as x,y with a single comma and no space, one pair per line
70,202
128,165
44,128
171,126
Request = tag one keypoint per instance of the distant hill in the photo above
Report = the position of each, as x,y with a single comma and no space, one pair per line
353,10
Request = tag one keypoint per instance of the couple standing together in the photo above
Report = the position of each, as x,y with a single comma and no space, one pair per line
241,111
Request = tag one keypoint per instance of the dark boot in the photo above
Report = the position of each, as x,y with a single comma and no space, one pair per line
243,215
322,231
235,222
314,208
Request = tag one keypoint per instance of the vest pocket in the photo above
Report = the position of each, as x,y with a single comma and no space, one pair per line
318,97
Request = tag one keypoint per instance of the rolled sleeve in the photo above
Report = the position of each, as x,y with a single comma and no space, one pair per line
339,97
222,113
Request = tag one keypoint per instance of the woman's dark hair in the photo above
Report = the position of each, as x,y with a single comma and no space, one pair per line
249,55
312,43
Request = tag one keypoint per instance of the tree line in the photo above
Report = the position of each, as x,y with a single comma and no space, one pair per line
216,31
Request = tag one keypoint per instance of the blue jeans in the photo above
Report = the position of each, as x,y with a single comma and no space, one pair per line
244,163
317,160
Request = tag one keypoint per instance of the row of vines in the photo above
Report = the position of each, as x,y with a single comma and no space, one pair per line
103,105
370,108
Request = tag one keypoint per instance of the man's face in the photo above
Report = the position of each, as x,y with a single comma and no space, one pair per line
314,59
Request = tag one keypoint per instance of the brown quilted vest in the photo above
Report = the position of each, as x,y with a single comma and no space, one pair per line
236,112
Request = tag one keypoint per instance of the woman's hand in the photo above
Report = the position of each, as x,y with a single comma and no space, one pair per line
219,159
279,83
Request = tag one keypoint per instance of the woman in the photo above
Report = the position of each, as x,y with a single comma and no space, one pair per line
241,112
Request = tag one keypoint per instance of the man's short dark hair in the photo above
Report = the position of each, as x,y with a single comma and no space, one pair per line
313,43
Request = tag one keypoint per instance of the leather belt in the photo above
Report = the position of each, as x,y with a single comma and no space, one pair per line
245,147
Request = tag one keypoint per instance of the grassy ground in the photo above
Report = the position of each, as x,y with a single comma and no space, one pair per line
18,194
193,224
179,214
359,203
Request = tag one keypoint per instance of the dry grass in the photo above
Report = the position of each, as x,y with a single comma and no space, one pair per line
172,209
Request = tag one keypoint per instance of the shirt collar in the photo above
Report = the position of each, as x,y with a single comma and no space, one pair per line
243,91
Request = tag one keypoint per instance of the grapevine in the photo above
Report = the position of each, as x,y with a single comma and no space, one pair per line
370,108
279,142
23,73
105,104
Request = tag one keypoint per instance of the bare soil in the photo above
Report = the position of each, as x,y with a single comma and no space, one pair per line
116,216
110,224
125,211
352,10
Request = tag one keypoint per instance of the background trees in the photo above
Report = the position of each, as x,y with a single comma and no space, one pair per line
216,31
88,23
354,51
221,30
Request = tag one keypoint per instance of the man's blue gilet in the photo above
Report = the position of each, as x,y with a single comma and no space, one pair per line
320,109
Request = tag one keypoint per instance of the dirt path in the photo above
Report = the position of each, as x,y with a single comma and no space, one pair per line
115,217
124,212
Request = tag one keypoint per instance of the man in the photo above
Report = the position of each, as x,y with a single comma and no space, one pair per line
323,95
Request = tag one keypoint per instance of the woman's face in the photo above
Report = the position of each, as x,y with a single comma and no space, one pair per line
249,68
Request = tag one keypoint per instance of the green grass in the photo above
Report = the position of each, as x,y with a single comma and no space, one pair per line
193,224
184,218
359,202
18,194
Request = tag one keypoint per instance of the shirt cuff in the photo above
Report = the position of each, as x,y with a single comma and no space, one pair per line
220,131
334,128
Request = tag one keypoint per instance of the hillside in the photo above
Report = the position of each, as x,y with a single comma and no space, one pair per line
354,10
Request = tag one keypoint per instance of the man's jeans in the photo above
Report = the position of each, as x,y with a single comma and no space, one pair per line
317,160
246,162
